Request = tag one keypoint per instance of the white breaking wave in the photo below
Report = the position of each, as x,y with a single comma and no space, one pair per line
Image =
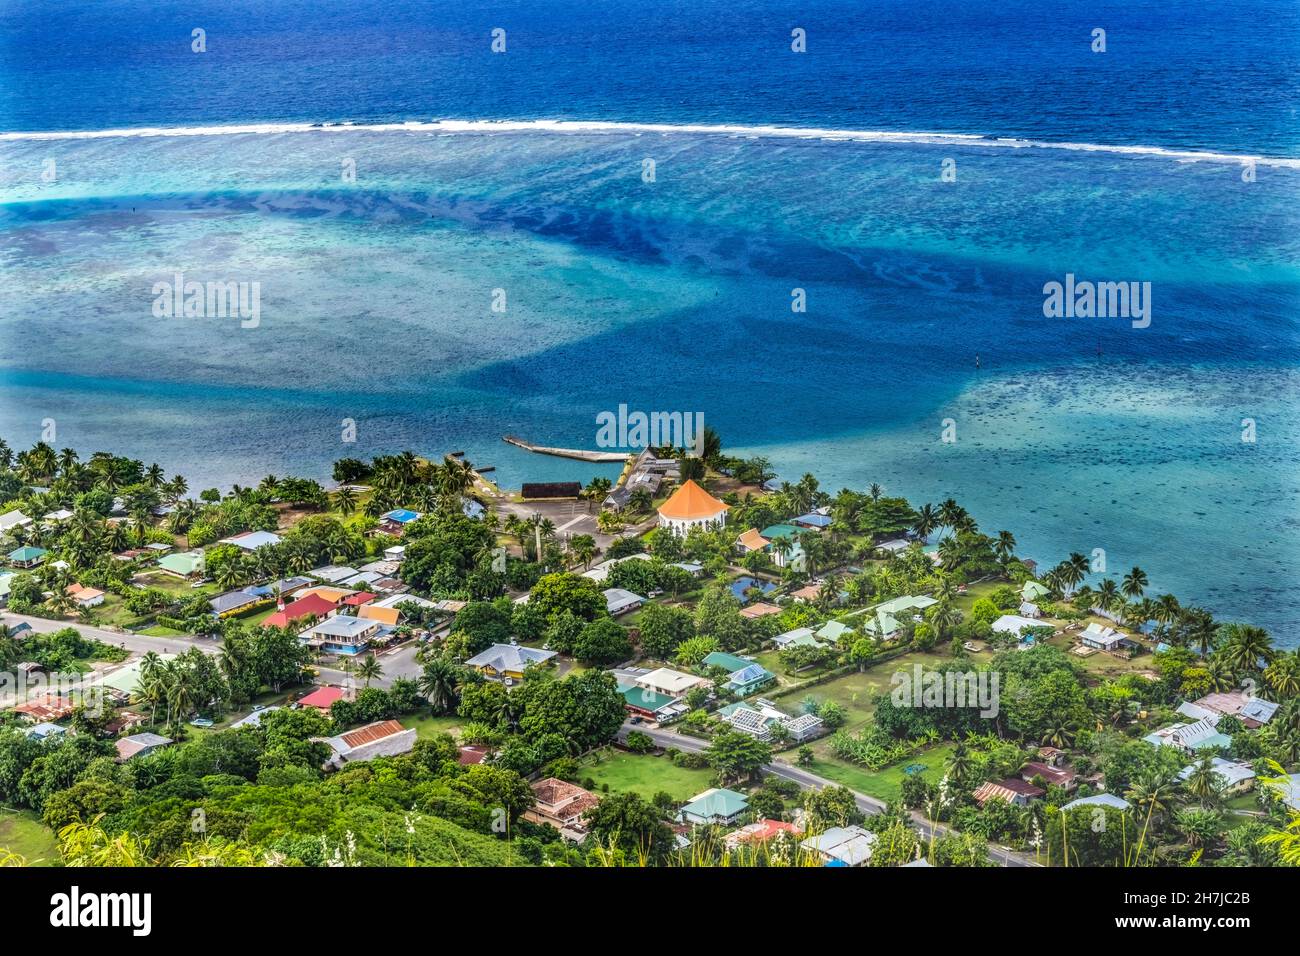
667,129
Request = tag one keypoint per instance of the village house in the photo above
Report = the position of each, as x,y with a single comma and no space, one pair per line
664,680
561,805
252,540
799,637
758,719
1235,777
842,846
1099,800
745,678
333,573
690,506
27,556
311,606
384,738
186,564
1011,790
715,807
751,541
341,635
651,705
85,597
45,710
235,602
759,609
1198,735
761,831
11,521
322,699
619,601
507,661
140,745
1105,638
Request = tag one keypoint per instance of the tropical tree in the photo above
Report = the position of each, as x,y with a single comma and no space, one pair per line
1134,584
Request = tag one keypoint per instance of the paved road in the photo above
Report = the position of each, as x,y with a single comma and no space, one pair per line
868,805
398,662
135,643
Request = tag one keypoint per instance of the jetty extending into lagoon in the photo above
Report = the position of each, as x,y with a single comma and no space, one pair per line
575,453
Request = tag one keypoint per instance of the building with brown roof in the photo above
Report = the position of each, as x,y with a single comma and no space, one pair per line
384,738
561,804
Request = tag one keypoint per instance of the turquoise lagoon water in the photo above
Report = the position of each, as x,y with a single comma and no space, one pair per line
675,295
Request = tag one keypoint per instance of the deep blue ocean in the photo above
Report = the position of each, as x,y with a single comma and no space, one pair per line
1173,159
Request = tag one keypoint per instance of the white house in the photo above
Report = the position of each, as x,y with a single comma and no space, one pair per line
252,540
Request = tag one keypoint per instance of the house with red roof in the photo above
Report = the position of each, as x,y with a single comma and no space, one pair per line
313,605
322,698
761,832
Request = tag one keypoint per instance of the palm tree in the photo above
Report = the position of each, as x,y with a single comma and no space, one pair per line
1247,645
583,547
950,513
370,669
1167,609
875,491
596,490
1134,584
926,521
346,501
959,764
1074,569
1107,594
1203,782
439,683
944,617
1283,675
1005,546
1059,733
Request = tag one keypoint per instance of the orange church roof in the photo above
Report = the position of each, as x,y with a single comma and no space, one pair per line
691,501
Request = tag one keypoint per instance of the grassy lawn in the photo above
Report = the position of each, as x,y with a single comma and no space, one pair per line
256,617
643,774
855,692
22,832
883,784
425,724
159,631
173,585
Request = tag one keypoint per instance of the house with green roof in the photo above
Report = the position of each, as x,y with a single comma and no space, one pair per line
746,676
832,631
187,564
27,556
717,806
1033,591
650,704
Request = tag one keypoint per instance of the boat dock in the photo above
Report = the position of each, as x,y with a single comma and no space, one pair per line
578,454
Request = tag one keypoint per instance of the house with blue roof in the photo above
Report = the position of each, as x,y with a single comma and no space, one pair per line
746,676
813,520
